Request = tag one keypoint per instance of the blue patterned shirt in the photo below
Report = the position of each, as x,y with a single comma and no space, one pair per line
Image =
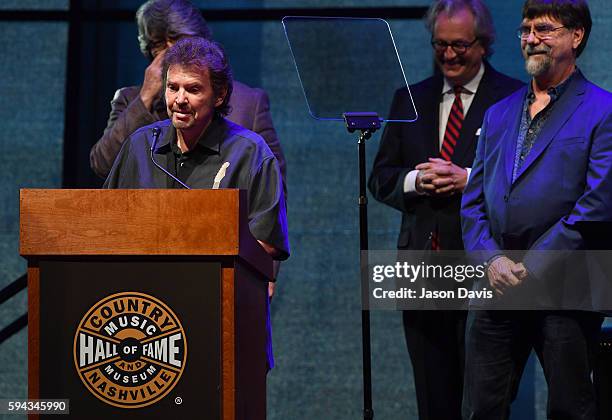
530,128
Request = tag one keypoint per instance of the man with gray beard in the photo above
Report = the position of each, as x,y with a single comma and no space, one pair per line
543,167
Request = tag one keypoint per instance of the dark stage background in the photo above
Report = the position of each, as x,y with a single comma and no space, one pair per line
61,64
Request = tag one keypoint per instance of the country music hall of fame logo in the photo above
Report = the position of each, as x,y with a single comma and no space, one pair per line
130,350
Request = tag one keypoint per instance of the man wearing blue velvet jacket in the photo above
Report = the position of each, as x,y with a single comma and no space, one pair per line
543,166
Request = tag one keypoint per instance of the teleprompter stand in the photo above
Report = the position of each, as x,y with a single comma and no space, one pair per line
367,123
347,65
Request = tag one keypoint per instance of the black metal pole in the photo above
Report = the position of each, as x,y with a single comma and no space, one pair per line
368,411
367,123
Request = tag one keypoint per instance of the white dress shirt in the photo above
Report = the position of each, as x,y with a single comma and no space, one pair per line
448,97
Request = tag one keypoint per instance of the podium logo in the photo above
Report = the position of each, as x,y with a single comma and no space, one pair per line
130,350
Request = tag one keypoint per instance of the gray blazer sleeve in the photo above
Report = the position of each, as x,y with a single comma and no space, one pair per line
250,108
263,126
128,114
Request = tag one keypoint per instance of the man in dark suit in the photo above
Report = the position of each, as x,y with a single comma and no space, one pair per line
543,167
421,169
160,24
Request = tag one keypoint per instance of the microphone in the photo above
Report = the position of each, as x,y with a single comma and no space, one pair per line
156,131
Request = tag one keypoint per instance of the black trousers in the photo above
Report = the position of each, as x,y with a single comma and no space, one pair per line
435,341
498,344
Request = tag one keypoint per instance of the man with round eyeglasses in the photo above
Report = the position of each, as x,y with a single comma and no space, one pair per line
542,170
421,169
542,31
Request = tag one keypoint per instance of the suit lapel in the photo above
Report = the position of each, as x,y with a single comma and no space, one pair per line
512,116
431,125
563,110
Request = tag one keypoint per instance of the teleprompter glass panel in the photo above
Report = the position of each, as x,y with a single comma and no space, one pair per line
346,65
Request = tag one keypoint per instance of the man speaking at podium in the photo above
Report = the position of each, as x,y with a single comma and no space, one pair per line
198,148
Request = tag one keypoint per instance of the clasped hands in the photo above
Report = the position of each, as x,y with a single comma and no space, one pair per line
439,177
504,273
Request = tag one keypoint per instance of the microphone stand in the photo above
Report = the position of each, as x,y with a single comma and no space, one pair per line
367,123
156,132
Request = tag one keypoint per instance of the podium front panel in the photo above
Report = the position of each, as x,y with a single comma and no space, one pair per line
133,339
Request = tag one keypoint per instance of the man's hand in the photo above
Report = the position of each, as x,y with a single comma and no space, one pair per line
153,79
520,271
271,286
439,177
275,271
504,273
272,251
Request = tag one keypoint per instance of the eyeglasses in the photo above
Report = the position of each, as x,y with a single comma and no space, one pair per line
458,46
542,31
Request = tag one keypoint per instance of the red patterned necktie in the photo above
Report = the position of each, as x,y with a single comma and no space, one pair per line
451,136
453,126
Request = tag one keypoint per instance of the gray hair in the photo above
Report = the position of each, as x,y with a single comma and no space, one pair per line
483,22
161,20
203,54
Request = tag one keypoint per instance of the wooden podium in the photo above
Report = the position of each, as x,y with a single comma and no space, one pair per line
145,303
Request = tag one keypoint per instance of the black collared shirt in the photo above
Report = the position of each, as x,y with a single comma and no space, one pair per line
226,156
